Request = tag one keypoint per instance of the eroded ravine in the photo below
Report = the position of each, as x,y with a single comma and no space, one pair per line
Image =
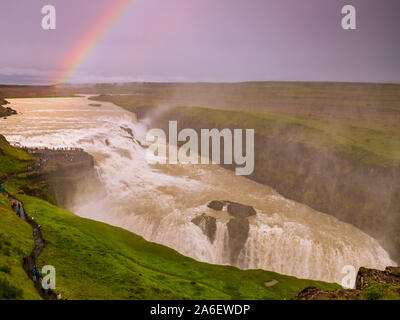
162,202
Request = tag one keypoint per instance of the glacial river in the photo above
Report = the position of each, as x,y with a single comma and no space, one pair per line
158,202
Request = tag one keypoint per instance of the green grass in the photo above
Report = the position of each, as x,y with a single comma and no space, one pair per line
16,238
380,291
369,144
11,159
96,261
16,241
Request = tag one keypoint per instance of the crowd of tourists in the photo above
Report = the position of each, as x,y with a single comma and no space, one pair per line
29,263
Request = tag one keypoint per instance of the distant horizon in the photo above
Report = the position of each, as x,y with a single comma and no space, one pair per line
189,82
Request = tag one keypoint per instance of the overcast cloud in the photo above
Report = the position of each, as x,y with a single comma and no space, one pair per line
206,40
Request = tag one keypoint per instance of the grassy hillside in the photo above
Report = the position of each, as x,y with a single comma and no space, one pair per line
96,261
15,236
380,291
16,241
11,159
367,144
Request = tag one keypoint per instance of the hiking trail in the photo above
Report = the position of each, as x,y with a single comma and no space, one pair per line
29,263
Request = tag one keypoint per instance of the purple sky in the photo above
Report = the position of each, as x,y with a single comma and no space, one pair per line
206,40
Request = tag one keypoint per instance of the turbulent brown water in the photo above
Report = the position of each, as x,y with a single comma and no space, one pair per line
159,201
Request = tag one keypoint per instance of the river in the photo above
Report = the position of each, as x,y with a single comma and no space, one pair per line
158,202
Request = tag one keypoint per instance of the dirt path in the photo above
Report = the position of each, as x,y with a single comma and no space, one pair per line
29,263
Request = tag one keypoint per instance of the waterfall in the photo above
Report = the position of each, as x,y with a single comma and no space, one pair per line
159,202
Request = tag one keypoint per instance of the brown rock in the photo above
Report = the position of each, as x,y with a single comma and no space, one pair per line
238,230
389,276
216,205
207,224
238,210
313,293
393,270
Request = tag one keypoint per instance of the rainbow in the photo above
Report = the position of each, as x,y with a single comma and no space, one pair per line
75,57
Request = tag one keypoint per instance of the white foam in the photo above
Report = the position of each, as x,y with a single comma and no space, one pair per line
158,202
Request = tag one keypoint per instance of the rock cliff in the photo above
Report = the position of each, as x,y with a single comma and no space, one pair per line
371,284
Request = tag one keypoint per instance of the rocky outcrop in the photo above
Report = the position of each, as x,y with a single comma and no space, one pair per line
128,131
5,111
236,210
216,205
390,276
240,211
313,293
68,174
3,101
238,226
132,137
238,230
207,224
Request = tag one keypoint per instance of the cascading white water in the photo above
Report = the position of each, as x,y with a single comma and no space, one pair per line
159,201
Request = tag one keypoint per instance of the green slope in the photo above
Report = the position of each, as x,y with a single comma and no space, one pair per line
15,236
367,143
16,241
94,260
12,159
